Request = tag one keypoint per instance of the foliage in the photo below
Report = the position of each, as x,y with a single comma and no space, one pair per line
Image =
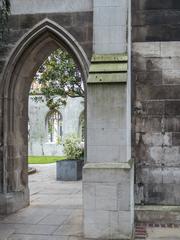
4,14
73,148
44,159
57,79
59,140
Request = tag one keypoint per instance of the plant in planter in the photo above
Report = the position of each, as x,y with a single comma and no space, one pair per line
70,169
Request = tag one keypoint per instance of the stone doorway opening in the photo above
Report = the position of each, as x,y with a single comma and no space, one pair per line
56,104
30,53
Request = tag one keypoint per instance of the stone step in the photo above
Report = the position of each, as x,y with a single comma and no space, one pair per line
140,232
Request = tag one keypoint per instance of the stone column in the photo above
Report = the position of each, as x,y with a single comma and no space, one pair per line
108,172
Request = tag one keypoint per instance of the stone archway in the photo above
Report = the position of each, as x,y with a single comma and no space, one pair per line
30,52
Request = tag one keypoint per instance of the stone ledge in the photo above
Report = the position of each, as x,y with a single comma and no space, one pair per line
157,214
102,67
107,77
157,208
109,58
108,68
123,165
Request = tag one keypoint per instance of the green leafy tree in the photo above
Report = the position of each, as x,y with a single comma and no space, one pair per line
57,79
4,14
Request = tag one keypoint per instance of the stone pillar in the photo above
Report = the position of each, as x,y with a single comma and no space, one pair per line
108,172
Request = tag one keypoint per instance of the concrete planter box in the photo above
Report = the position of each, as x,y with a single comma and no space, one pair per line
69,170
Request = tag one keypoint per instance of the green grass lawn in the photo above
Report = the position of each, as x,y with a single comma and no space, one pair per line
44,159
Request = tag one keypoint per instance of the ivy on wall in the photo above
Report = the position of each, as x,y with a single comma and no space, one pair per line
5,6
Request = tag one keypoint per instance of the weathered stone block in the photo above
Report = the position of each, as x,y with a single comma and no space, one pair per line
110,186
171,76
46,7
176,139
110,16
110,225
152,33
89,195
171,63
14,35
106,175
78,34
157,194
96,153
110,3
157,139
168,156
150,64
14,201
154,107
170,49
149,77
2,64
171,156
147,49
106,204
156,214
96,224
161,92
108,136
111,25
172,108
106,190
149,124
124,197
156,5
125,218
172,123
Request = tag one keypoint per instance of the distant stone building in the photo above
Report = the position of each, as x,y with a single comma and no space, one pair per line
47,129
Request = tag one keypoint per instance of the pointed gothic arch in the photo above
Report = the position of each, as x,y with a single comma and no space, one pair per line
24,61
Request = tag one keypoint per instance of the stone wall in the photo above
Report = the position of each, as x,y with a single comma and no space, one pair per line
38,137
108,172
79,24
156,101
26,45
155,20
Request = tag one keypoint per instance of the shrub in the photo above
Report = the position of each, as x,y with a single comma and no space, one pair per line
73,148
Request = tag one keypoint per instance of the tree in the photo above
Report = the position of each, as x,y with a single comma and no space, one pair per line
57,79
4,14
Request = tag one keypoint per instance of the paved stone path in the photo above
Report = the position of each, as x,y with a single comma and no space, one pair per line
55,212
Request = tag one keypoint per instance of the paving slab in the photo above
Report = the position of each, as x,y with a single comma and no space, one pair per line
54,219
69,230
56,213
35,237
31,215
5,232
31,228
54,206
